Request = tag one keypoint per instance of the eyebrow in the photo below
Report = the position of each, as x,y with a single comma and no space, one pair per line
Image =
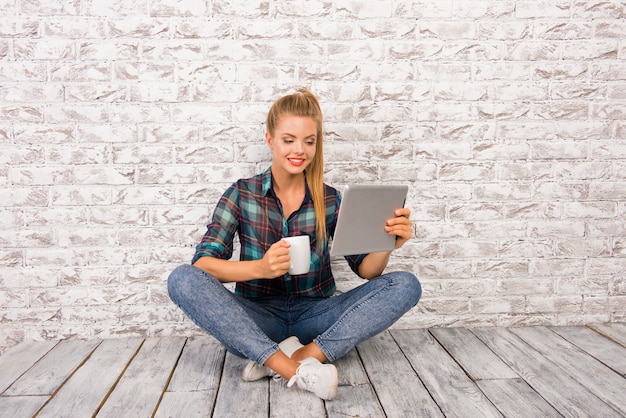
313,136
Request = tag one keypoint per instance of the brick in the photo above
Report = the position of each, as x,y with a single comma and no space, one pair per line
526,248
420,50
73,27
89,276
116,215
490,151
106,133
188,28
444,71
139,113
466,171
542,9
399,172
609,150
450,30
534,91
590,209
468,249
476,212
18,26
114,8
502,191
498,305
576,110
142,71
560,305
297,8
460,91
30,93
24,196
563,30
35,7
424,9
179,8
485,9
369,28
21,114
503,70
162,133
81,71
592,49
598,9
533,51
502,29
583,171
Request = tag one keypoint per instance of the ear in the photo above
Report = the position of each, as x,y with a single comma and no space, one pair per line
268,139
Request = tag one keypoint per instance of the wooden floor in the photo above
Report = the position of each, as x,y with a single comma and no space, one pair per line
452,372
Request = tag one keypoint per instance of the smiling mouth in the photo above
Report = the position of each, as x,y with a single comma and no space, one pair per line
296,161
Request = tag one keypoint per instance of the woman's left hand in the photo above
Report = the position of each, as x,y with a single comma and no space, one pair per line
400,226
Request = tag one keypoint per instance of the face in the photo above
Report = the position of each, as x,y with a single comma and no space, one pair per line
293,143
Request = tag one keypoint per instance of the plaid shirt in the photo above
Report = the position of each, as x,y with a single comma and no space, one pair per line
251,209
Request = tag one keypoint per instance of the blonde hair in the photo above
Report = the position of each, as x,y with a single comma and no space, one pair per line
304,103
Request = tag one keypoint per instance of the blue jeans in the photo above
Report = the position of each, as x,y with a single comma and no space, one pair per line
253,328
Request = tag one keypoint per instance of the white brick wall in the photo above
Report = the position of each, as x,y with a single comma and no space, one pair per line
121,122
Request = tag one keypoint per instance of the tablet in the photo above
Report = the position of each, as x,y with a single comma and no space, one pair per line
361,223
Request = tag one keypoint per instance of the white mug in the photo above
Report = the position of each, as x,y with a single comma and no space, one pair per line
300,254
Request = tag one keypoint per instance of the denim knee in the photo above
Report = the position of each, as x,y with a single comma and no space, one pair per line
177,280
409,285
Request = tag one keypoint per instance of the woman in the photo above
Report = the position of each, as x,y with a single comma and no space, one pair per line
269,305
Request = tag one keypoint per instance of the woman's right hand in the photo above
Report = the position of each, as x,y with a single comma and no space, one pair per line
276,260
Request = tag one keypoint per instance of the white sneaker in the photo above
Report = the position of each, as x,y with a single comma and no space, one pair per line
254,371
316,377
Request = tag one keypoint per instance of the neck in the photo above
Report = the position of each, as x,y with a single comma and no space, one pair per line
288,184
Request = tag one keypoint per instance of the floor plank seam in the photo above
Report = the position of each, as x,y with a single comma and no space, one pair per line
169,378
117,381
54,393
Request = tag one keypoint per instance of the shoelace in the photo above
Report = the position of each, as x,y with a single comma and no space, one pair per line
302,377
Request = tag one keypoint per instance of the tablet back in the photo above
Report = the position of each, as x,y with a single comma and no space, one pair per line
362,215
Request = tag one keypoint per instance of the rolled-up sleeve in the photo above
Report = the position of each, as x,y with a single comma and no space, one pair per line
217,242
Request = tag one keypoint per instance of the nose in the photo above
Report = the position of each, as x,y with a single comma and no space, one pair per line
297,147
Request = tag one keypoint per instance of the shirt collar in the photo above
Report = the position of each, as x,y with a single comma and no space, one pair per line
267,186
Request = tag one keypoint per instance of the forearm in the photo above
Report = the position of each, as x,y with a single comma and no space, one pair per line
374,265
229,271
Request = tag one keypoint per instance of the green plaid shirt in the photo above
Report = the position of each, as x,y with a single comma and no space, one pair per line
251,209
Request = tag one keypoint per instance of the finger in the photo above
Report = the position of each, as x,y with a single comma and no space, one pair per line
406,212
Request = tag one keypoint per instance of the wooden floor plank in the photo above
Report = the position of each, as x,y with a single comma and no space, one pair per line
451,388
595,376
354,401
17,360
200,366
389,370
597,345
45,377
99,374
515,399
563,392
237,398
187,404
472,354
614,331
350,370
140,389
286,402
21,406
